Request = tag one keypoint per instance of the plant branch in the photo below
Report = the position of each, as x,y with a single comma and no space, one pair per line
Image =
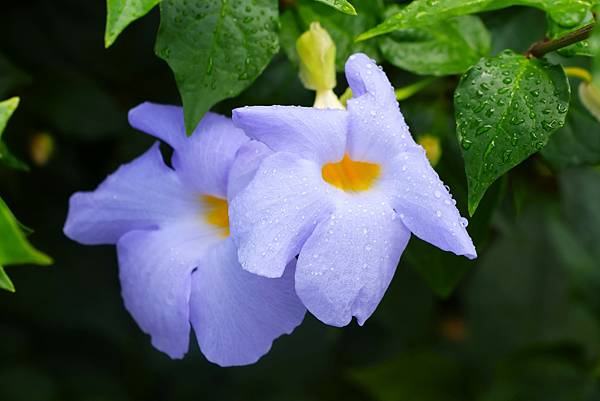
542,47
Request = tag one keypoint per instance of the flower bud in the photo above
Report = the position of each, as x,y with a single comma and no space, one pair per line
317,65
317,58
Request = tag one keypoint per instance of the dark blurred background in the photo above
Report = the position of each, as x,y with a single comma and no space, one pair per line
522,323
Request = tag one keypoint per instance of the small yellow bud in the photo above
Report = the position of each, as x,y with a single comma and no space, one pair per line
41,148
590,97
432,146
317,58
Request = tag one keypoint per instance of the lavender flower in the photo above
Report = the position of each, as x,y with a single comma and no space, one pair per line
177,262
343,189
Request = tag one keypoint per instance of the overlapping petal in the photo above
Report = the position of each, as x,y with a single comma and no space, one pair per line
203,159
425,205
155,271
236,315
245,165
376,128
311,133
139,195
347,264
273,216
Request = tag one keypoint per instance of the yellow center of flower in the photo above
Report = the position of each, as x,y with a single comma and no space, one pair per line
350,175
216,213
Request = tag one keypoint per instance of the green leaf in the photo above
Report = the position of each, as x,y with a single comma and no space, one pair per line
14,247
520,295
577,142
7,108
595,43
423,376
506,109
340,5
568,13
342,28
121,13
441,49
216,49
5,282
542,374
582,48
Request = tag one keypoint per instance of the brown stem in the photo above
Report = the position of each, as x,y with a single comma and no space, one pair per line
542,47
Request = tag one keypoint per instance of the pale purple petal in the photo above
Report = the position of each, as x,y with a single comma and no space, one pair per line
347,264
236,315
245,165
425,205
139,195
312,133
155,270
201,160
159,120
377,130
272,217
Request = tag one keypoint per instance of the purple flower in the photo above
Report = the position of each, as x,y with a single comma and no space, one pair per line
343,189
177,262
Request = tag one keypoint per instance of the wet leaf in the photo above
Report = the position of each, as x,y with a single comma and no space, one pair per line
577,142
442,49
340,5
121,13
216,49
568,13
506,109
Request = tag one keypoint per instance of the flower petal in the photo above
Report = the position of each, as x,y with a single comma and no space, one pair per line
139,195
272,217
202,160
244,168
236,315
348,262
155,271
315,134
376,128
162,121
425,204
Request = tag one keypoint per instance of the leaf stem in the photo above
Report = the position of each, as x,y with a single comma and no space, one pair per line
545,46
407,91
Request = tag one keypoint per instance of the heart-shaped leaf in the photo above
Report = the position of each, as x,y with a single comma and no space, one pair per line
215,48
121,13
506,109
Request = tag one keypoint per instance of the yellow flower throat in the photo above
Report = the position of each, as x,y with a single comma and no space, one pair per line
216,213
350,175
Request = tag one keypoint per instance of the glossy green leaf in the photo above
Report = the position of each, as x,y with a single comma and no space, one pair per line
577,142
442,49
121,13
340,5
568,13
342,28
581,48
216,48
595,44
14,247
506,109
7,108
